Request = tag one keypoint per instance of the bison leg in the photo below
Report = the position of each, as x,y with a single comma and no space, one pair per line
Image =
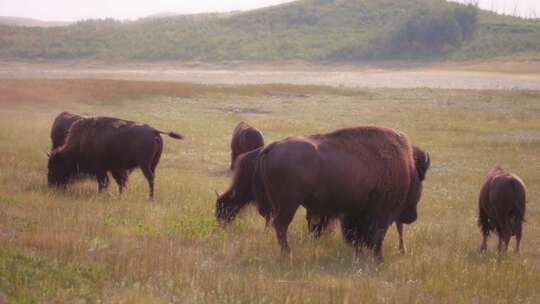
376,233
399,227
378,241
281,225
518,237
316,223
149,169
149,175
103,181
121,179
504,238
483,222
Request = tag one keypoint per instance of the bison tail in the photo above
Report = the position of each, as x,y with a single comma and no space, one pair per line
175,135
171,134
521,200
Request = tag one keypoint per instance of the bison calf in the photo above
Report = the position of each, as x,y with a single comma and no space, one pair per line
96,146
245,138
502,208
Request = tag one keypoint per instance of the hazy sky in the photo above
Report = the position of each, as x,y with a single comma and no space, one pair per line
524,8
70,10
131,9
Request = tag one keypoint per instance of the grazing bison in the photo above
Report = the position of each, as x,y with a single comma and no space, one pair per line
243,189
95,146
61,126
317,224
502,208
245,138
364,174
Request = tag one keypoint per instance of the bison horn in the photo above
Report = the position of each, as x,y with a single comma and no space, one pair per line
428,160
217,193
48,154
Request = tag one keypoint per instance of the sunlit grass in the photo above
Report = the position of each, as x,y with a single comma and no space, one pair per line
74,245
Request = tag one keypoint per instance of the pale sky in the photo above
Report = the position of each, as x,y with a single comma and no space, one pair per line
523,8
71,10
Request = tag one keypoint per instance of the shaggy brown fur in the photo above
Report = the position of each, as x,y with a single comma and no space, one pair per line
502,205
60,128
245,138
363,173
95,146
241,192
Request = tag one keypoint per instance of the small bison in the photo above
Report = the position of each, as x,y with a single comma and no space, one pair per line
96,146
502,208
60,128
245,138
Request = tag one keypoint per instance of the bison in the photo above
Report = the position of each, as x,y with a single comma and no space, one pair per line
502,208
242,190
364,173
61,126
96,146
245,138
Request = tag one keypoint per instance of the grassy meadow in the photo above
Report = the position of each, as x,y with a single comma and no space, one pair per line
78,246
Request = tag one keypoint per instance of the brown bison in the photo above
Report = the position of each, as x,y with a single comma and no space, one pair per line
363,174
245,138
61,126
502,208
95,146
317,224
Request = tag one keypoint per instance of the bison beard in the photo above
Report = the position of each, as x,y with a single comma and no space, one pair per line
96,146
502,204
363,173
245,138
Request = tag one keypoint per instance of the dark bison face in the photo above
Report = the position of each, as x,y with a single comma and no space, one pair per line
422,164
60,170
228,205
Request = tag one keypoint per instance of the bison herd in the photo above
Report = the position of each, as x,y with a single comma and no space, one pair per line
366,178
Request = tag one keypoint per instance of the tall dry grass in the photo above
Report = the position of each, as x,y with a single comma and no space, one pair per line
77,245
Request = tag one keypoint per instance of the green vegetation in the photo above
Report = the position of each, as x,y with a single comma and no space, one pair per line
312,30
80,246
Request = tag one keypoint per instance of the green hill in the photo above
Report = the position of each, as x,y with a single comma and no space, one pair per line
313,30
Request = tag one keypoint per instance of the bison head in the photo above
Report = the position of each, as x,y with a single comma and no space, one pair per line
228,205
240,193
422,164
60,170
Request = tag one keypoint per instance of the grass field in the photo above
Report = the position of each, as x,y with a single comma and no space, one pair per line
78,246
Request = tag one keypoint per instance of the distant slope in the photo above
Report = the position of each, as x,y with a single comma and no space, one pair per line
303,30
19,21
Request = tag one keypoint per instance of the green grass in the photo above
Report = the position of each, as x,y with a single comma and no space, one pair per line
309,30
78,245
